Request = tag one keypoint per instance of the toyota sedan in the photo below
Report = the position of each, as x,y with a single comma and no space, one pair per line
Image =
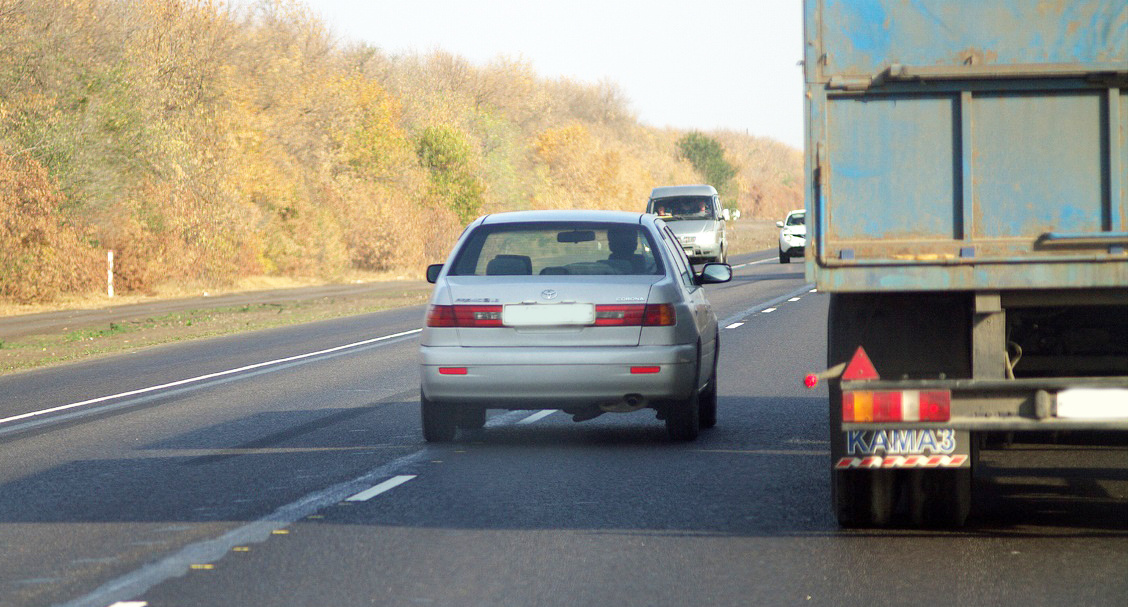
588,312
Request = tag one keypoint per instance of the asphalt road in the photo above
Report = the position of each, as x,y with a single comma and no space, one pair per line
286,467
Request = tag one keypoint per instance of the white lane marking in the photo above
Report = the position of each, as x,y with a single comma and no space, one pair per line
754,309
794,299
752,263
212,550
201,378
735,325
536,417
768,310
130,604
813,291
387,485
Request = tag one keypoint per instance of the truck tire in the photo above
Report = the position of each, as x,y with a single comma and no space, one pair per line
439,421
863,498
905,335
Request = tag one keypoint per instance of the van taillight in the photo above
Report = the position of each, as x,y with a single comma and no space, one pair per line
464,316
896,406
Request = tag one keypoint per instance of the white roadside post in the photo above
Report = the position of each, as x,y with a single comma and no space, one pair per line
110,273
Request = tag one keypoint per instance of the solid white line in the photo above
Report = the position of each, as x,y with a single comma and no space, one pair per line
387,485
752,263
200,378
735,325
536,417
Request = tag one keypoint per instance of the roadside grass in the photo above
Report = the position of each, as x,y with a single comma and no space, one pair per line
118,337
80,343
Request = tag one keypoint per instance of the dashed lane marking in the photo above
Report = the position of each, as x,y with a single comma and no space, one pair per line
536,417
387,485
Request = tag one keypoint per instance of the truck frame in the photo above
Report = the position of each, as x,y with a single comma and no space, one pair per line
967,212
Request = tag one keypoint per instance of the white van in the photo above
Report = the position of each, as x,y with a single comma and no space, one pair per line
694,214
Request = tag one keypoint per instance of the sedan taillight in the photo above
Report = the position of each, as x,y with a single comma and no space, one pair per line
464,316
610,315
635,315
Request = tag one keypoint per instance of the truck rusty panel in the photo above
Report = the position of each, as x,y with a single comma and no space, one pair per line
967,144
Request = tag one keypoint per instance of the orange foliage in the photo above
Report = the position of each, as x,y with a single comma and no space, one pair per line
42,254
207,141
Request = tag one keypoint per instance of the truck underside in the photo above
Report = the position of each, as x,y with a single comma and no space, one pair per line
1006,359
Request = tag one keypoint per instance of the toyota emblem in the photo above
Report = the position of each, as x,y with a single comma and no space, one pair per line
548,294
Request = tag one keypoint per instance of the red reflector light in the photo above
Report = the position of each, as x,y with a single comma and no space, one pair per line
650,369
896,406
452,370
464,316
860,367
935,406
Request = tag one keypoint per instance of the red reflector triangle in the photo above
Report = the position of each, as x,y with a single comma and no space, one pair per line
860,367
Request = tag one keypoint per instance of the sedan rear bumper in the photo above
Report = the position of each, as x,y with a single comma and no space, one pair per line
551,378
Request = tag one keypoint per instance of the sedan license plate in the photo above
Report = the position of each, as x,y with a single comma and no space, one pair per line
547,315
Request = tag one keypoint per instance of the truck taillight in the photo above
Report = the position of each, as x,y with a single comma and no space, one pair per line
464,316
896,406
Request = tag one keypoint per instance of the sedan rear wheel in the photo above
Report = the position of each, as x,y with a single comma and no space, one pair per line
439,421
707,404
472,418
683,420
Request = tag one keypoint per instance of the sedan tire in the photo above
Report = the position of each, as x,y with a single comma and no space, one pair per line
707,404
472,418
439,421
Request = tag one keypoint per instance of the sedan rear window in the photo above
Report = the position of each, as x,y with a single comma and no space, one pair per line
557,249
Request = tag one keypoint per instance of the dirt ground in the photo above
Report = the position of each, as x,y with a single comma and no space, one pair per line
82,328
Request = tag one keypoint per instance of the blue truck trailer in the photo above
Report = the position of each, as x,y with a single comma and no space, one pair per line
967,212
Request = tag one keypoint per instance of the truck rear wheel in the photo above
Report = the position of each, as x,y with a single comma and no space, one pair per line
914,336
863,498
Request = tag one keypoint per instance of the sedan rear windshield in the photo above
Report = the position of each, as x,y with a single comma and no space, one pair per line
557,249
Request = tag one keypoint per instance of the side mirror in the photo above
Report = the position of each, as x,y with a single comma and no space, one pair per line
714,273
433,271
779,224
726,214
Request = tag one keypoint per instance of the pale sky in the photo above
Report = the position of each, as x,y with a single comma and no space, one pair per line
696,65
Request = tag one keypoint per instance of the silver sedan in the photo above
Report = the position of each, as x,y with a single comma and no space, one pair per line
584,311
